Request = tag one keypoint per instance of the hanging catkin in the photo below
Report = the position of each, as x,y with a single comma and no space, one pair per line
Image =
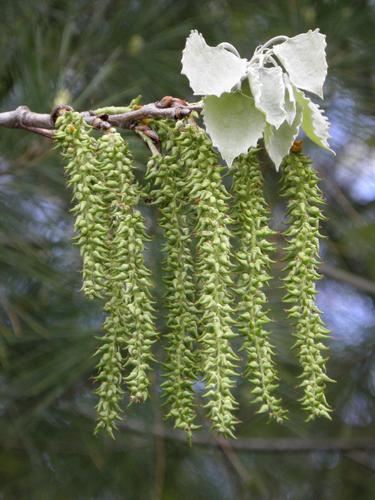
208,199
251,218
170,196
90,209
111,238
130,310
300,186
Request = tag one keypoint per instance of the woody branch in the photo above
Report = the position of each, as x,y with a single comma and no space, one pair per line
44,124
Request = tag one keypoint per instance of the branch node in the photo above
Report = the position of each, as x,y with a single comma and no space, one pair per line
165,102
59,110
100,123
181,113
21,112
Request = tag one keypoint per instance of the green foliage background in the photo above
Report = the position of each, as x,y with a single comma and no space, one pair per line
102,52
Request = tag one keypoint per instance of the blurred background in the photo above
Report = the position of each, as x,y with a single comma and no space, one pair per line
91,53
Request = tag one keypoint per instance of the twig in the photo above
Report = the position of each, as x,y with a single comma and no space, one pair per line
264,445
292,445
251,445
358,282
363,459
152,142
42,123
233,459
160,456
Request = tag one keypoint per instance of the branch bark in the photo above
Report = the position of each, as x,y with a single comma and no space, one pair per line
43,123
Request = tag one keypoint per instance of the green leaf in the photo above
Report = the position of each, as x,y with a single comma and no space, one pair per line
290,99
211,70
268,89
314,122
233,123
304,58
279,141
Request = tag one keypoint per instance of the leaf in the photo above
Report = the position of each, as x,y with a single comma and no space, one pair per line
314,122
279,141
233,123
304,58
211,70
268,89
290,99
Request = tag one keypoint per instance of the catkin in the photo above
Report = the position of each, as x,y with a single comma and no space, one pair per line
130,305
251,218
300,186
208,198
84,175
169,192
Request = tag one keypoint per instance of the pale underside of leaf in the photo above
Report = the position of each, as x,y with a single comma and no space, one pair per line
211,70
268,89
290,99
233,123
314,122
279,141
304,58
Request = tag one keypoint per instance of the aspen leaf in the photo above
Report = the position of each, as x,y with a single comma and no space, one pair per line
210,70
290,99
314,122
304,58
279,141
268,89
233,123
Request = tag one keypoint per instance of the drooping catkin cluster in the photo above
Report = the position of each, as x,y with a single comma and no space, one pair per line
251,218
111,239
169,189
201,279
300,186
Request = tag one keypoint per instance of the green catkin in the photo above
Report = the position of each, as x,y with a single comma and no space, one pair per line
206,193
110,368
130,309
179,367
300,186
90,209
251,216
111,351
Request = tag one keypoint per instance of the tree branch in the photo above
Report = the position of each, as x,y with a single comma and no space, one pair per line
356,281
253,444
42,123
259,445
